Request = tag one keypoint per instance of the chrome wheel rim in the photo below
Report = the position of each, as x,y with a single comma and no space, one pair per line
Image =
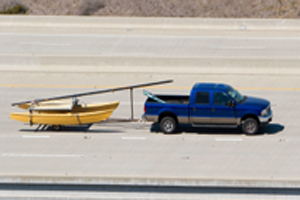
168,126
251,127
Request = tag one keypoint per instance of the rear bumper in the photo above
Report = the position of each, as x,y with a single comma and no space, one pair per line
150,118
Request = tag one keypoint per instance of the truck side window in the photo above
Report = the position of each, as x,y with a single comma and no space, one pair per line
202,98
220,98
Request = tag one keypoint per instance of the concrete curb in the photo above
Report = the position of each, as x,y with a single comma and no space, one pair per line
144,181
148,23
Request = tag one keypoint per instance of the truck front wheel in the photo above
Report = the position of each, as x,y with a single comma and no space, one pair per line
168,125
250,126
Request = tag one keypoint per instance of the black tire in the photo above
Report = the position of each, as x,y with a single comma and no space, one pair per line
56,127
168,125
250,126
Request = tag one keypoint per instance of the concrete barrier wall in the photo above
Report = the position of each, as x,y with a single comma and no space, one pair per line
147,181
149,23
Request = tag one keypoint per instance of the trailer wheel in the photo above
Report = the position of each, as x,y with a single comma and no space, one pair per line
250,126
56,127
168,125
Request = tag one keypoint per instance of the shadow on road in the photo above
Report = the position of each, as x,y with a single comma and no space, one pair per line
269,129
75,128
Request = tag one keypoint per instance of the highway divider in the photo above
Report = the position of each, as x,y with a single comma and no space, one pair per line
148,23
151,65
151,181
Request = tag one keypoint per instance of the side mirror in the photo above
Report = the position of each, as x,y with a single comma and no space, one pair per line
231,104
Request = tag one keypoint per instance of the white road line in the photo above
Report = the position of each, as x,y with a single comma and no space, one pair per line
239,48
45,44
108,195
229,139
134,138
35,136
43,155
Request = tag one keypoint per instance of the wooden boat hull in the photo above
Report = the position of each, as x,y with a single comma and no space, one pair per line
62,118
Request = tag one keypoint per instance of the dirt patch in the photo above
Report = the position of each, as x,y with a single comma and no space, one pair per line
159,8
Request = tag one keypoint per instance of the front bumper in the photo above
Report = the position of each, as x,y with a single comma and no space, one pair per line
264,120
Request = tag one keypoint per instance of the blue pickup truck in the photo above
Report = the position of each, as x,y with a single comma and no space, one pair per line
209,105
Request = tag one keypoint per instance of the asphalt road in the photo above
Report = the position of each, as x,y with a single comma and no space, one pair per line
133,150
114,45
234,45
137,151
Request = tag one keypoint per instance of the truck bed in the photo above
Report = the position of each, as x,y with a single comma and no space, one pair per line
172,99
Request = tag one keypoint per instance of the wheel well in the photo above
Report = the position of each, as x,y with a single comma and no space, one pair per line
165,114
250,116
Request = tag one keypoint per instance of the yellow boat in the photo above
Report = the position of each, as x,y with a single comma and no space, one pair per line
62,118
67,106
59,113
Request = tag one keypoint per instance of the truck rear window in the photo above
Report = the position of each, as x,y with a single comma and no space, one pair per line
202,98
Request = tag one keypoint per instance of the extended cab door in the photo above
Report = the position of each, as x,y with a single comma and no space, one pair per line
222,112
200,108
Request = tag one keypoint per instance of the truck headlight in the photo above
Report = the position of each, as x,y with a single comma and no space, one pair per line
265,112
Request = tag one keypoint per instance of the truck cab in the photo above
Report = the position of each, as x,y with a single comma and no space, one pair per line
210,105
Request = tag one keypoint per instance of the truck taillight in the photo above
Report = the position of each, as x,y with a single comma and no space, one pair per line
144,109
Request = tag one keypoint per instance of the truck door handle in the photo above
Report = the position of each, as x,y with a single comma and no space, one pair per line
194,109
213,109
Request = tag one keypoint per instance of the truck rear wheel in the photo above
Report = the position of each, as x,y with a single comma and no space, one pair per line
168,125
250,126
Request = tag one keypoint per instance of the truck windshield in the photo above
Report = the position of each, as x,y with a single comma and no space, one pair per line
236,95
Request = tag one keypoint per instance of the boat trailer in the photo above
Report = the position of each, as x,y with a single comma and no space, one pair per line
53,111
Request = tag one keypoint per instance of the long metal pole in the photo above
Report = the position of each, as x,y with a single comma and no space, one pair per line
131,103
95,92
